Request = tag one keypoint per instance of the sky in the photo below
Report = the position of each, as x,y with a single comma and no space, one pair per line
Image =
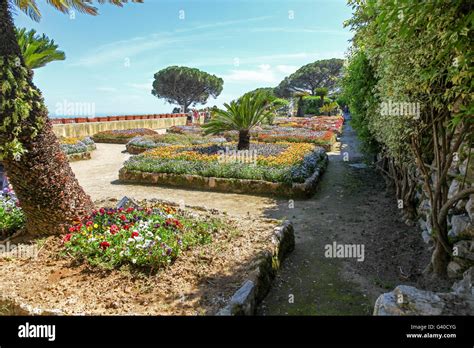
111,58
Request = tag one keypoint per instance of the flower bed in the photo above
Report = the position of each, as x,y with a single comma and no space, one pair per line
121,136
142,143
296,135
195,129
150,238
11,215
280,168
200,281
317,123
77,149
274,134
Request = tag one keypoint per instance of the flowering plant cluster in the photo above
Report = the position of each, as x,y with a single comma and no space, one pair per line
11,216
144,237
77,145
195,129
121,136
152,141
275,162
317,123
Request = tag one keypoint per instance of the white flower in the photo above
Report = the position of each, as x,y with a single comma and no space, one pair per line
169,216
138,239
149,234
92,240
134,260
131,240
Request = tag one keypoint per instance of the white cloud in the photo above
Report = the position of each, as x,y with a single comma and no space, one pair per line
287,69
264,73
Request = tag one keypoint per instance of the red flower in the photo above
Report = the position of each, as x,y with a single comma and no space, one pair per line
102,211
104,245
123,217
114,229
135,234
129,210
67,238
72,229
89,223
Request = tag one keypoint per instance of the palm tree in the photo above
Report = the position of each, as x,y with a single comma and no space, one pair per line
321,92
242,115
37,51
300,96
50,195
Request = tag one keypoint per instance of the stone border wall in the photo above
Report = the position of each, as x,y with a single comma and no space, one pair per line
80,156
78,130
256,287
304,190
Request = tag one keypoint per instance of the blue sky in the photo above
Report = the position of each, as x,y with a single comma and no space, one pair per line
111,58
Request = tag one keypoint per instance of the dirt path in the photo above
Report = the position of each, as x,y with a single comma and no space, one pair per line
352,206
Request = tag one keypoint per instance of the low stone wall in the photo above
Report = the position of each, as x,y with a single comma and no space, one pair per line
255,288
91,128
303,190
136,150
73,157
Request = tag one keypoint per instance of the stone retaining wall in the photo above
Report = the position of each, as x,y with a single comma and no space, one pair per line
78,130
255,288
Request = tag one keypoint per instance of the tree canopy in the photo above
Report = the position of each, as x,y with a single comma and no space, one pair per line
186,86
320,74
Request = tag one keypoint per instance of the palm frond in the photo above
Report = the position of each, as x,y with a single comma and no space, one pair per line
247,112
84,6
37,51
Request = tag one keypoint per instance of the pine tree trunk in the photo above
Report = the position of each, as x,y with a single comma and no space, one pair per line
49,193
244,140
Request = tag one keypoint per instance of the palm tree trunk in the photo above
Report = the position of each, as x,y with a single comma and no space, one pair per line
300,112
244,140
42,179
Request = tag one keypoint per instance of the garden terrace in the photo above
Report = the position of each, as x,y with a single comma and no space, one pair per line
285,169
121,136
142,143
77,149
218,253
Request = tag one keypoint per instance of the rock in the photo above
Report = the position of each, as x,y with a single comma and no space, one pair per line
453,188
464,286
426,237
454,270
464,249
461,227
463,167
243,301
470,207
424,208
408,300
126,202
